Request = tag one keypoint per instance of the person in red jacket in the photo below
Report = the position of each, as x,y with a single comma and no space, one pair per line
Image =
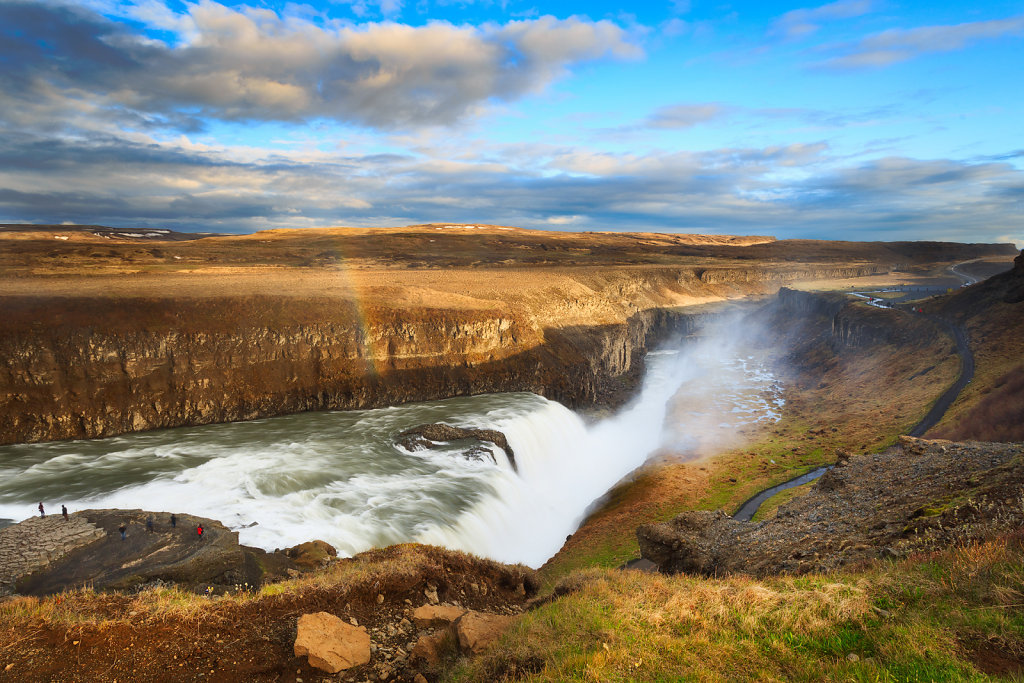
199,531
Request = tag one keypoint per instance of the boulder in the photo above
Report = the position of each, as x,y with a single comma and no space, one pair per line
425,436
430,649
434,616
330,644
475,631
312,554
686,543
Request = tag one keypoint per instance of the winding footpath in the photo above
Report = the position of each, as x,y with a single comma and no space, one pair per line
940,406
968,279
750,507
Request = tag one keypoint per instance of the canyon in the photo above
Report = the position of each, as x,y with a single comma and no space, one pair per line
108,335
108,332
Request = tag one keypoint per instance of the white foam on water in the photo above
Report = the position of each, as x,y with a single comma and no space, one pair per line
564,466
339,477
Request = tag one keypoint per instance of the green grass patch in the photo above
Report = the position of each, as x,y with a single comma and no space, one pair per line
771,506
920,619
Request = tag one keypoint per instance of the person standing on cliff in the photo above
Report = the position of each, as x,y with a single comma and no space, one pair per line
199,531
149,524
64,511
42,513
174,521
123,529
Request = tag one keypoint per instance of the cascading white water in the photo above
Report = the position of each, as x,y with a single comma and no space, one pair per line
339,476
564,466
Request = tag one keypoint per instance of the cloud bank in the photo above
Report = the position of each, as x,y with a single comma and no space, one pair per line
253,65
97,118
788,191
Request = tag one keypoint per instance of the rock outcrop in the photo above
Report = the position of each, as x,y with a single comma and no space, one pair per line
852,324
330,644
1015,281
795,302
89,550
918,496
857,325
427,436
312,554
38,542
689,543
760,274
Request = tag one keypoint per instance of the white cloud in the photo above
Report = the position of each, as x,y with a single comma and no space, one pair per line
252,64
686,115
800,23
899,45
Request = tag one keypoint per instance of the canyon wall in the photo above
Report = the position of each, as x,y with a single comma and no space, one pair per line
854,324
865,326
91,366
789,274
85,381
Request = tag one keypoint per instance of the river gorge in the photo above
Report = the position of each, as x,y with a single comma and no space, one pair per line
341,477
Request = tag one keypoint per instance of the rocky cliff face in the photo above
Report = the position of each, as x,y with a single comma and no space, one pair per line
81,381
93,367
797,303
759,274
1012,282
861,326
851,324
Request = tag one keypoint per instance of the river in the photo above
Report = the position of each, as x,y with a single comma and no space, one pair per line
338,476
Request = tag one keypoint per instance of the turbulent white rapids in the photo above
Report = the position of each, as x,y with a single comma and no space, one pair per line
339,477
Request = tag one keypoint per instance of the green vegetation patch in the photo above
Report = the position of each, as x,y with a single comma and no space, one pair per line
952,616
772,505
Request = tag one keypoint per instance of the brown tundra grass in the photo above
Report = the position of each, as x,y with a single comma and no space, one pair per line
956,615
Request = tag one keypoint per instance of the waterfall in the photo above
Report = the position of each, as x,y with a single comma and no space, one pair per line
564,466
338,476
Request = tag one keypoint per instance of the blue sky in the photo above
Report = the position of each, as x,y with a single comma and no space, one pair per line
856,119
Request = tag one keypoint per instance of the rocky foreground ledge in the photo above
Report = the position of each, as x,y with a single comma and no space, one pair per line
47,555
920,495
402,614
